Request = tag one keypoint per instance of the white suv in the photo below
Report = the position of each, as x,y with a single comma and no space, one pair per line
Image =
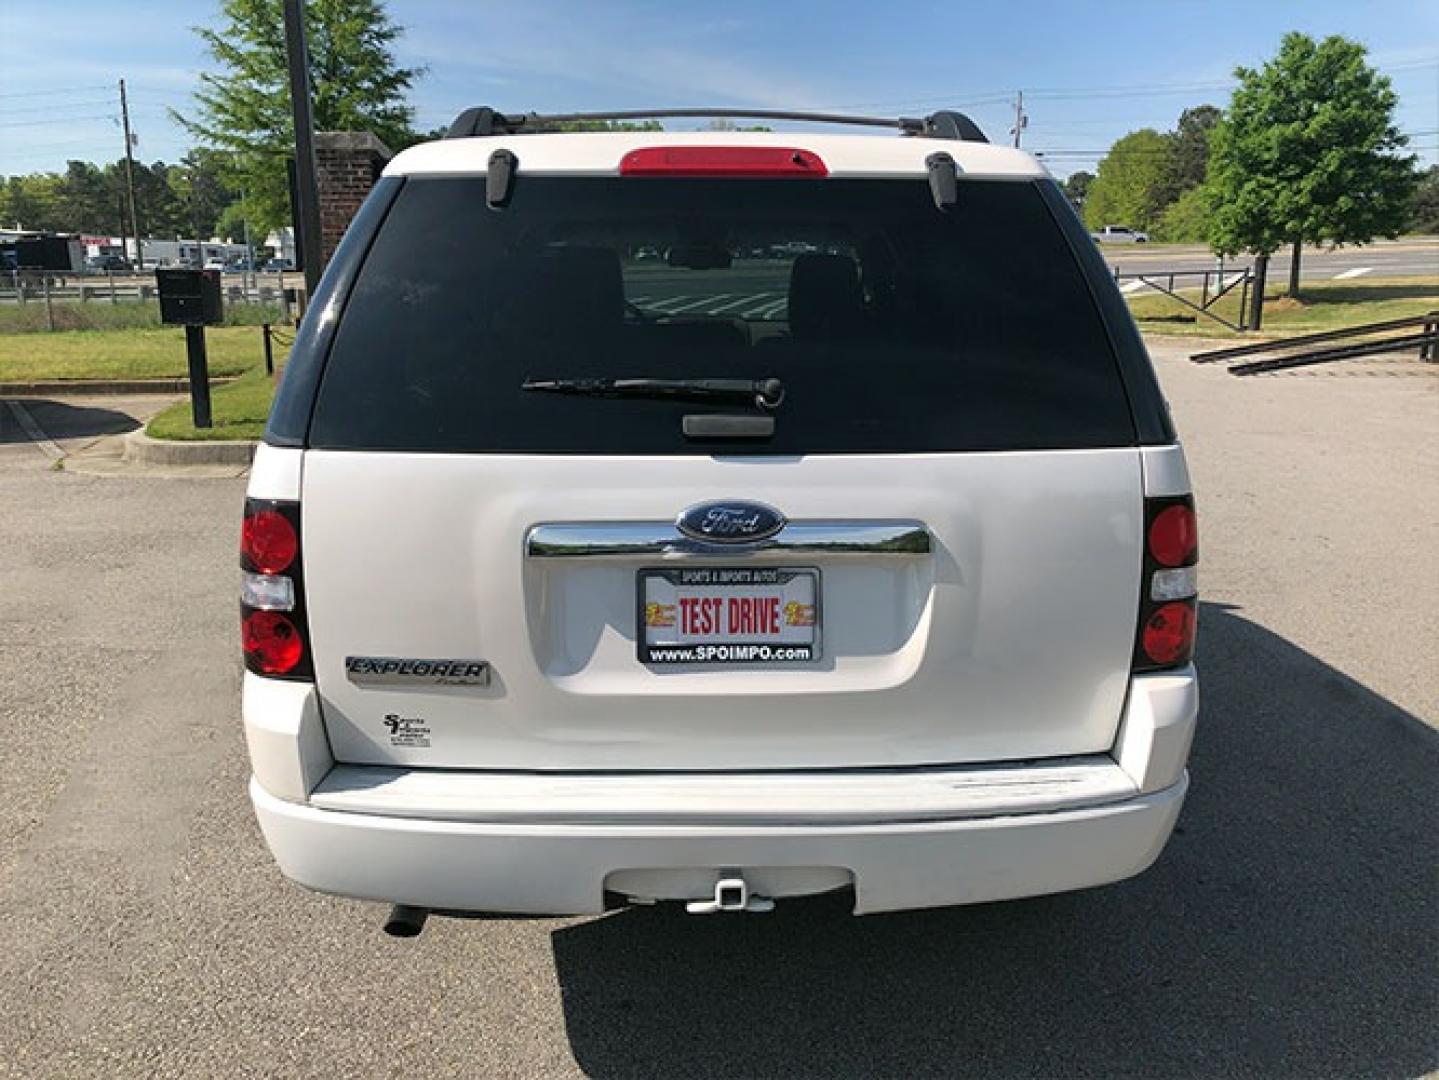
716,517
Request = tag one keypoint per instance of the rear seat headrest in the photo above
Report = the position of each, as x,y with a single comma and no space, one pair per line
581,286
825,299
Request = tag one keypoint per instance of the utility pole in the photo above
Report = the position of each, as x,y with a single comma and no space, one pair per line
249,277
307,196
130,176
195,211
1020,120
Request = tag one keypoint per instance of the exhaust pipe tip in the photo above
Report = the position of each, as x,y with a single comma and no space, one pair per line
405,921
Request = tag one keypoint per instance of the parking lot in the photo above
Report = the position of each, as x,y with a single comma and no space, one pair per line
1288,930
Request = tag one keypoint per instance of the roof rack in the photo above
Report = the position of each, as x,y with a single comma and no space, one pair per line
483,120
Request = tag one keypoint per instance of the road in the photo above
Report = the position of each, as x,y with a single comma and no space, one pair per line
1409,257
1289,929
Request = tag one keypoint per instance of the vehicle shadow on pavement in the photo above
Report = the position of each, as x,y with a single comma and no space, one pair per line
60,420
1288,930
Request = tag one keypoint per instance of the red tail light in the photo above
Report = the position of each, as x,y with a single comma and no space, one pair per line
274,631
732,161
1168,636
268,541
1168,601
1174,536
272,642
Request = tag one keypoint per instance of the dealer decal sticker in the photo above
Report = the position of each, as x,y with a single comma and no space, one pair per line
407,730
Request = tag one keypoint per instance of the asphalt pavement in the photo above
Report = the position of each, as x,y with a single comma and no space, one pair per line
1409,257
1290,929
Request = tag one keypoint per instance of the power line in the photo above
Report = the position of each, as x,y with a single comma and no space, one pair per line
1097,91
51,121
53,108
48,93
942,99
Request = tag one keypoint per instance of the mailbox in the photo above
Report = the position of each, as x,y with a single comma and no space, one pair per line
190,297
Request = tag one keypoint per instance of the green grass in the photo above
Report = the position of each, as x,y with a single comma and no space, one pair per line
1330,305
238,410
126,315
126,354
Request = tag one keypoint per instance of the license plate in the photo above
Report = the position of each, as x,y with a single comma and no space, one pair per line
728,615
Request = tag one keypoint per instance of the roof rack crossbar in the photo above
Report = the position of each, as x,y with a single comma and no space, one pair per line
486,121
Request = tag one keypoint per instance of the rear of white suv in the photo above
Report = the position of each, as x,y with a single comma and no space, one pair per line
717,518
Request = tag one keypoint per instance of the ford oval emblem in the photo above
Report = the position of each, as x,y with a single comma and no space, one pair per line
730,522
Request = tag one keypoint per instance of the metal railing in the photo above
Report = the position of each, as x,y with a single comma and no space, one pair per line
1213,286
23,287
1384,340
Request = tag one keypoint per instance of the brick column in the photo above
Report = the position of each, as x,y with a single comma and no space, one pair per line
347,165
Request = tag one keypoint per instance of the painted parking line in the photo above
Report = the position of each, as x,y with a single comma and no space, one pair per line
744,305
702,302
767,310
748,301
34,431
662,304
1358,271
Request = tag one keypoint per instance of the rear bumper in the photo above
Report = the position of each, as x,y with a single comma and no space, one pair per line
503,843
553,869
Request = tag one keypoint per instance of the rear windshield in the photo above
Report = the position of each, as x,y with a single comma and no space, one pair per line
893,327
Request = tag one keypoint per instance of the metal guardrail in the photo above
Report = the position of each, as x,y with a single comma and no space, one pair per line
1427,342
1225,282
25,287
285,288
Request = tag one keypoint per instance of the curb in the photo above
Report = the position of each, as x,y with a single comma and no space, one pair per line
104,386
142,450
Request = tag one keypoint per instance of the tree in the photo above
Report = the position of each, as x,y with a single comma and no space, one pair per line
1306,153
200,188
606,125
187,199
1189,147
161,211
724,123
1185,219
1131,187
1077,186
91,199
36,201
243,107
1424,204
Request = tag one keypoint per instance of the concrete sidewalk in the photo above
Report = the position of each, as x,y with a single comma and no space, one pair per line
103,435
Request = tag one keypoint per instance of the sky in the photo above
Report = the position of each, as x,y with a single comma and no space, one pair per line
1089,72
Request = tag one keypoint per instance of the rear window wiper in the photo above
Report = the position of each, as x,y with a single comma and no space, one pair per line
765,393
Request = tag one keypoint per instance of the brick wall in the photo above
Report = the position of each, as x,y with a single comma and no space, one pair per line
347,165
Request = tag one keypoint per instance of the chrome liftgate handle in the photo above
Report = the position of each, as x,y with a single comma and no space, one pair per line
598,540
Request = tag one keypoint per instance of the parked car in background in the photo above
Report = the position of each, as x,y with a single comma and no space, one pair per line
1120,234
100,264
